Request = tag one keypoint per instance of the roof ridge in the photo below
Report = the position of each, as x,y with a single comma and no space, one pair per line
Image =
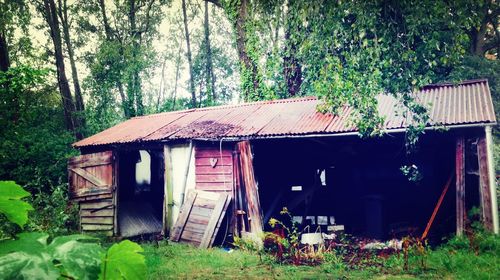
228,106
453,84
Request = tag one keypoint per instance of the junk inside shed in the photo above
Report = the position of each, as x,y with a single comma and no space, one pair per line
141,192
358,184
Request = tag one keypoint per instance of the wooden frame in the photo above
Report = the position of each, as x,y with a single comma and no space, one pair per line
460,183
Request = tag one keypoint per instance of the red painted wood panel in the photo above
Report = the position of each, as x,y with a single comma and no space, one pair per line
212,177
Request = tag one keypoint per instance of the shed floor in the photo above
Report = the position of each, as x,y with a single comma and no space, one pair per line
138,218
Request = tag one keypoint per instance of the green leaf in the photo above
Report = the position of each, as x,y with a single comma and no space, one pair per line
26,258
21,265
29,257
123,261
11,204
27,242
79,260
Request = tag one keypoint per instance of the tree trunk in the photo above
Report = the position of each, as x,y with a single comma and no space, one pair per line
107,28
292,70
246,62
63,15
161,90
134,82
67,99
4,52
188,54
177,70
209,75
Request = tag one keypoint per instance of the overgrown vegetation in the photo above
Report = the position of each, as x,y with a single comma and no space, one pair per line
453,260
36,255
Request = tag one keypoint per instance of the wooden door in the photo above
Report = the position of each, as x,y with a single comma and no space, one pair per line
92,182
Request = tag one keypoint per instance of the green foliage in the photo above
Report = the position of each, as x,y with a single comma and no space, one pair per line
34,144
54,214
11,204
123,261
30,256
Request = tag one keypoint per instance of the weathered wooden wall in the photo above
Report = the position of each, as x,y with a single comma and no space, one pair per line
97,216
214,168
92,183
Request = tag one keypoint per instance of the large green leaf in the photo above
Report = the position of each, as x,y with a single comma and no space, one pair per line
27,242
11,204
79,260
21,265
29,257
26,258
123,261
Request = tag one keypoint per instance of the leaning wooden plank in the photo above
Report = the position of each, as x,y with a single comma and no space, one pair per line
436,209
219,209
228,201
183,216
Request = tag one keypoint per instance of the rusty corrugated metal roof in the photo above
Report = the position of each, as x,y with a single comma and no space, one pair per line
465,103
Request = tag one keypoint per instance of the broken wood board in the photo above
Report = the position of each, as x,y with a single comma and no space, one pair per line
200,218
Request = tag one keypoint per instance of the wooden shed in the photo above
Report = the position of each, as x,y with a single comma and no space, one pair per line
189,173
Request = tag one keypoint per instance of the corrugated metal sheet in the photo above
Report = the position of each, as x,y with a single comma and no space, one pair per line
466,103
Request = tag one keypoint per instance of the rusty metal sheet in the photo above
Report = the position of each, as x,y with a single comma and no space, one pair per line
448,104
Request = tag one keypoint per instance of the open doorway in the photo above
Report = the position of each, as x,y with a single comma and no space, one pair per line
141,192
357,185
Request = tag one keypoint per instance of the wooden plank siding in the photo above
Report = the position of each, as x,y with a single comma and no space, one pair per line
97,216
214,168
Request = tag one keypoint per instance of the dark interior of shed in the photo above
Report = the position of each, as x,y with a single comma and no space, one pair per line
140,192
363,188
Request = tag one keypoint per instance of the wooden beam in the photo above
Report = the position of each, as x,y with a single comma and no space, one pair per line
436,209
492,174
168,192
460,183
484,183
89,177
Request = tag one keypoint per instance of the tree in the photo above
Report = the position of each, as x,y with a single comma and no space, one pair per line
209,73
49,11
124,56
62,12
189,55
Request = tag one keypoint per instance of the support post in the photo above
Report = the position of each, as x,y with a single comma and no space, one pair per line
460,183
487,186
168,191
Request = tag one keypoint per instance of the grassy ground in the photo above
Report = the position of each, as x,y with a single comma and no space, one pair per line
454,261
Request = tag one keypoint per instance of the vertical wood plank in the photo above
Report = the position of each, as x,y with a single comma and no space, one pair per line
251,188
217,215
183,216
116,183
484,183
168,191
460,183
